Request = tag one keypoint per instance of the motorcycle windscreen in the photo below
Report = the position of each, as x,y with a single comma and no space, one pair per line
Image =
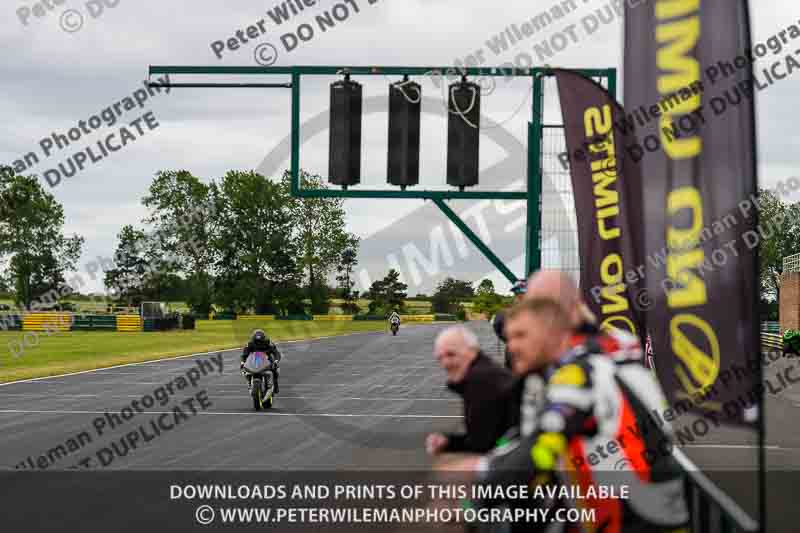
257,362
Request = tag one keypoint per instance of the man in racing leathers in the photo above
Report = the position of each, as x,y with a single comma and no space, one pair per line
586,391
259,342
394,318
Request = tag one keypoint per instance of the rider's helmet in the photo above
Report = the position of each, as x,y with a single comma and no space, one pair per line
259,336
520,287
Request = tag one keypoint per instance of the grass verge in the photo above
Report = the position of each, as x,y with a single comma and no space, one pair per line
61,353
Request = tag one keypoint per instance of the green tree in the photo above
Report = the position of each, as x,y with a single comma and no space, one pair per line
184,223
449,295
143,270
347,262
32,240
485,287
780,223
486,301
320,233
256,260
5,282
388,294
127,279
320,296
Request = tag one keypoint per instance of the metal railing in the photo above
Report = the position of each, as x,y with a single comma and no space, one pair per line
770,327
791,263
710,509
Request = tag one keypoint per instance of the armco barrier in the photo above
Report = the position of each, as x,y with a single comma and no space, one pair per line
417,318
94,323
771,341
47,322
771,327
294,317
404,318
129,323
9,322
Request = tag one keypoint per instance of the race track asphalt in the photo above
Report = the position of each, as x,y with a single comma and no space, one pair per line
350,402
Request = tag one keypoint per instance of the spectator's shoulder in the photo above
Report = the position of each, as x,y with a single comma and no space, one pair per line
491,376
485,364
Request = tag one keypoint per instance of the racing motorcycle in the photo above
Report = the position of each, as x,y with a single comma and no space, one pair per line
260,380
395,325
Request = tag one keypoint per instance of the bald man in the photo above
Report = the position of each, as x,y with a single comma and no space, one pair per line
486,388
558,286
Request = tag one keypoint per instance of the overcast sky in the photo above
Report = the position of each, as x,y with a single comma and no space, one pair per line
77,60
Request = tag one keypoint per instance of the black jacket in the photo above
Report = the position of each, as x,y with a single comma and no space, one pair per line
498,324
267,347
489,407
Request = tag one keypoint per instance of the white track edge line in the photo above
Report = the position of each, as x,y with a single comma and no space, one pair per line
168,359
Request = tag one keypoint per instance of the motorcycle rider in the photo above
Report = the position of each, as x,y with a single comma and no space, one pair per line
259,342
394,318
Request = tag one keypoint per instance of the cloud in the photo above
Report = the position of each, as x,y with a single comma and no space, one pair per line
52,79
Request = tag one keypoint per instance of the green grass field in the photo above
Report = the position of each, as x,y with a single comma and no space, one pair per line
84,350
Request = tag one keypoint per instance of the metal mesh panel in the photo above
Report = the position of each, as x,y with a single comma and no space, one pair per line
559,226
791,263
559,237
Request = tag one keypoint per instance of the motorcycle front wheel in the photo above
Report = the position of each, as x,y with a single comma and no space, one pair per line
255,390
270,400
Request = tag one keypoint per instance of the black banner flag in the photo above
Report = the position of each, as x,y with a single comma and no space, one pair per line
689,96
607,190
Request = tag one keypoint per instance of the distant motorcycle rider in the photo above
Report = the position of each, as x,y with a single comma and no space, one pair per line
259,342
394,318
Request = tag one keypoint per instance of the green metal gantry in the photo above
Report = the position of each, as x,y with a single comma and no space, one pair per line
532,195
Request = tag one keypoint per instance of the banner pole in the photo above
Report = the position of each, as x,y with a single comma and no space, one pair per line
762,407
